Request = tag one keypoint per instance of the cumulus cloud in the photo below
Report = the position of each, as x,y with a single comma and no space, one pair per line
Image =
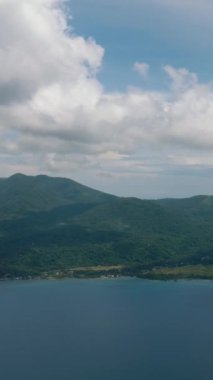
142,68
181,78
56,117
37,51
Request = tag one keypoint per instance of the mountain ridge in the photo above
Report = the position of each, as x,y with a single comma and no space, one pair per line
20,193
52,223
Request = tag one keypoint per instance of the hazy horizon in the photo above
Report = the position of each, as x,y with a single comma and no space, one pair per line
104,190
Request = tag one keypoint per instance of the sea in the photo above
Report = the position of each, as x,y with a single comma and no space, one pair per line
106,329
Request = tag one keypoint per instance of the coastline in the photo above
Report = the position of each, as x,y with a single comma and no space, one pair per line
193,272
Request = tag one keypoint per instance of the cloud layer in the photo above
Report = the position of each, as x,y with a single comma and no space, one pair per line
56,117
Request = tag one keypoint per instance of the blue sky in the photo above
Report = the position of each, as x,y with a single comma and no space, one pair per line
156,32
117,95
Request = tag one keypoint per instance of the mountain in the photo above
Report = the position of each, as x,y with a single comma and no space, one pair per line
55,224
20,194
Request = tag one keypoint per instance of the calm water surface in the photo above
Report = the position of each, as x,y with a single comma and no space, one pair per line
125,329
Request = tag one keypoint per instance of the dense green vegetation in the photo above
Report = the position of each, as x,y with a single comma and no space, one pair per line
54,224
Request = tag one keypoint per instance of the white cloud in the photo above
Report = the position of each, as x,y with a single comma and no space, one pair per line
142,68
181,78
36,50
56,117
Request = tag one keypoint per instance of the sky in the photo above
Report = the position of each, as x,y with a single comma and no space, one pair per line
116,95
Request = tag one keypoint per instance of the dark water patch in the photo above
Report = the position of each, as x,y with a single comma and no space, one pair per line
123,329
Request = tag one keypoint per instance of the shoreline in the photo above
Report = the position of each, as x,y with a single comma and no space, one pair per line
187,272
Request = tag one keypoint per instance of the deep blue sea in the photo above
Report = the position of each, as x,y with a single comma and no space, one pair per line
117,329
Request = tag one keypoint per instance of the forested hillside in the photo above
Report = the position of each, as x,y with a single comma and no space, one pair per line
54,224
